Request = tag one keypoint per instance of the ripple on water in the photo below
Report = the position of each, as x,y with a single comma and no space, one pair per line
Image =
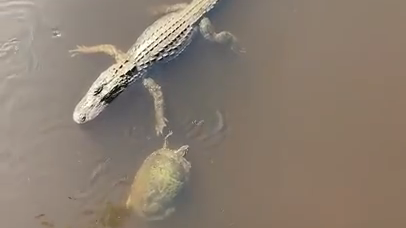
16,56
17,20
210,132
8,47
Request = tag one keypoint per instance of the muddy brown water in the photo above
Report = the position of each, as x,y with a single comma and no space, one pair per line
314,115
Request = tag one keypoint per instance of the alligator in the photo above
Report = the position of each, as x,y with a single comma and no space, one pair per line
161,42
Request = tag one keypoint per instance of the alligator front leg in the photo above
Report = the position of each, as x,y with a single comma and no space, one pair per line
156,92
108,49
165,9
208,32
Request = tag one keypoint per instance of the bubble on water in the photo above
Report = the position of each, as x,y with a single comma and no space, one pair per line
56,33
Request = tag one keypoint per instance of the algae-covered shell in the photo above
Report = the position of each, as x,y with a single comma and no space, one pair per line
158,181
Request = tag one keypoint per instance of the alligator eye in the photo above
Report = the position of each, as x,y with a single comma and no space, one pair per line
98,90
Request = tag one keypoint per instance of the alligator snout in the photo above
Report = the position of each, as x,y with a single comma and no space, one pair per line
79,118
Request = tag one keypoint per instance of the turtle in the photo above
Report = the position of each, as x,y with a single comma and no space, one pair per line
158,182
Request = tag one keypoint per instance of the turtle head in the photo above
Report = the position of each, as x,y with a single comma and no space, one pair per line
182,150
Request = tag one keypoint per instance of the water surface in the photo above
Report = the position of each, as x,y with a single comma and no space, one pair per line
313,113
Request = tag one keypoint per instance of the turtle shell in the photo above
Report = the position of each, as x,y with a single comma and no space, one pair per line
158,181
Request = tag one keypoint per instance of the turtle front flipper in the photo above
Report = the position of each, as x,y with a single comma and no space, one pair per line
159,104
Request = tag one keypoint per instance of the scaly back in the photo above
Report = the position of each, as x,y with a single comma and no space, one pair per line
169,33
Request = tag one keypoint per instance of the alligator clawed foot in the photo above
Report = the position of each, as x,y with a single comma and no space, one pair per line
238,49
79,49
159,127
235,45
165,9
155,10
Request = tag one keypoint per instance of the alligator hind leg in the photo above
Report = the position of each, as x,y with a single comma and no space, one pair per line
156,92
165,9
108,49
223,37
